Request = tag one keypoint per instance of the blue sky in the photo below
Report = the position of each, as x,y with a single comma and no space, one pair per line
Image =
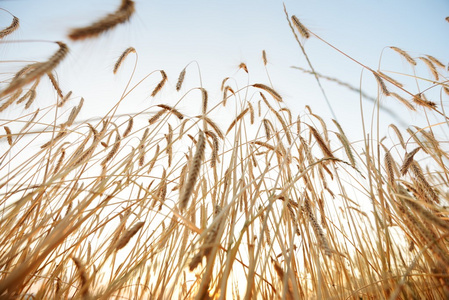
219,35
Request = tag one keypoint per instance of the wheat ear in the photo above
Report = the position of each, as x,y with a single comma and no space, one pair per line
421,100
172,110
431,67
403,101
388,78
8,135
204,101
11,28
83,277
300,27
381,83
408,160
122,58
106,23
129,127
156,117
160,85
181,77
278,269
264,57
123,241
319,233
238,118
269,90
214,126
244,67
215,148
436,61
39,70
194,171
326,150
55,84
64,99
389,164
405,55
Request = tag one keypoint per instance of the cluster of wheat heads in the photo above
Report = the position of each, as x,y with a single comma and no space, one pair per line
273,205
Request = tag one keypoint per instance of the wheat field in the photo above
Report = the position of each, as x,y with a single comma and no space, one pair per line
164,204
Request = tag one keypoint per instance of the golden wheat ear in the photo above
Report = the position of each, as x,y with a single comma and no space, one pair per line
37,71
181,78
122,58
264,57
405,55
194,170
121,15
161,84
84,278
126,237
300,27
11,28
269,90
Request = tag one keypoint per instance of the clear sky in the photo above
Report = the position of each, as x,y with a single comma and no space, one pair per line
219,35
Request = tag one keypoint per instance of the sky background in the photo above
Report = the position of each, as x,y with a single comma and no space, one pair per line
219,35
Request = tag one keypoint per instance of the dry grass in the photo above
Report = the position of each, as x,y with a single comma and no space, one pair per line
164,205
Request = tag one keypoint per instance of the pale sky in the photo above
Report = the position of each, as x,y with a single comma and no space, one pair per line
219,35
